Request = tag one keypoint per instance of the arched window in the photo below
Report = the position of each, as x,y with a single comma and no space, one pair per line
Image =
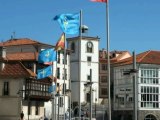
89,47
73,47
150,117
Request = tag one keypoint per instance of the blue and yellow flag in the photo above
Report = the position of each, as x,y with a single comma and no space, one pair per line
47,55
52,88
45,72
69,23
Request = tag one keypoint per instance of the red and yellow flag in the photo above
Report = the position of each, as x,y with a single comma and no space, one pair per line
99,0
61,43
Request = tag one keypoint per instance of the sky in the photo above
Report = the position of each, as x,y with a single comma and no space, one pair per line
134,25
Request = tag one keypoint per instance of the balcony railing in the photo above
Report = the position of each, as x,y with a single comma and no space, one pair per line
37,90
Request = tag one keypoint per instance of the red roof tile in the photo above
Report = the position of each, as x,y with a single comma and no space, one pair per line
23,56
148,57
15,69
21,41
113,59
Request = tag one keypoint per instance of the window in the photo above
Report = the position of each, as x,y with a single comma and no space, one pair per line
6,88
65,73
58,87
89,47
89,59
64,88
60,101
58,57
103,91
88,97
149,97
149,75
104,66
88,77
121,100
58,73
73,47
150,117
65,59
130,99
103,79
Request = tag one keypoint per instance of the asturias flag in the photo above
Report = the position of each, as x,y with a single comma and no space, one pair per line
45,72
46,56
99,0
52,88
69,23
61,43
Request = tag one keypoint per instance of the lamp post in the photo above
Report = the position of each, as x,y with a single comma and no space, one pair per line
28,99
91,94
95,107
133,71
58,95
135,86
68,93
20,94
89,84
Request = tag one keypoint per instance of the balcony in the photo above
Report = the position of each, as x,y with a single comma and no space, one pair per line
37,90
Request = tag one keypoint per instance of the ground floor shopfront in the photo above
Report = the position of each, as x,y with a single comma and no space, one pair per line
141,114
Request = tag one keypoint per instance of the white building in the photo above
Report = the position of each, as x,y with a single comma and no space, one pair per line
62,82
19,88
84,67
147,84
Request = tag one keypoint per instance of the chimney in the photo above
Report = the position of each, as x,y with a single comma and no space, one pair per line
104,53
2,55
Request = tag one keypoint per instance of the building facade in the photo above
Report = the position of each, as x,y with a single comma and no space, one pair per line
147,87
62,73
84,65
103,75
19,88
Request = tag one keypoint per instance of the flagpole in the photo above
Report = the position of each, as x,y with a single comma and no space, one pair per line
80,34
108,59
64,86
53,96
56,89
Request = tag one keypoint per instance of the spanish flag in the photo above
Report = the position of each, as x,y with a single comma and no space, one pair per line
99,1
61,43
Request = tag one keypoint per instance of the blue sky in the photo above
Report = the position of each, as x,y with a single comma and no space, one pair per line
134,24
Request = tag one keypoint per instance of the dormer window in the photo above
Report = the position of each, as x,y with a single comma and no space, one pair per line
89,47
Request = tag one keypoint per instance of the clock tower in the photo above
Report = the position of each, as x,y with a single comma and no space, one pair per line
84,68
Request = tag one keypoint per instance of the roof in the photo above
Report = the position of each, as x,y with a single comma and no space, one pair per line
25,56
148,57
20,41
114,56
16,69
83,38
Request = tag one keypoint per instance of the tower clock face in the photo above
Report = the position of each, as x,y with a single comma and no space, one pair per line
89,44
